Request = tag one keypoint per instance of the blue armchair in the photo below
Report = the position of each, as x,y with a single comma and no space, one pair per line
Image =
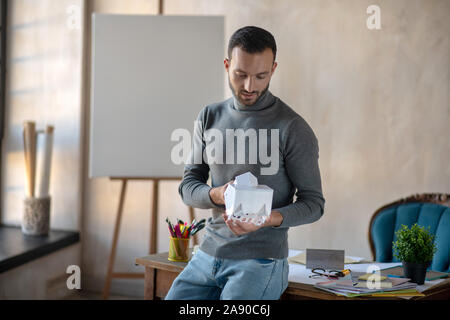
428,210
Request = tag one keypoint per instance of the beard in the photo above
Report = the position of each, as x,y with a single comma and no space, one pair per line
243,102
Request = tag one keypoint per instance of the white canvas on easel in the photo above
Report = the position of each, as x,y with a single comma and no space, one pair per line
150,76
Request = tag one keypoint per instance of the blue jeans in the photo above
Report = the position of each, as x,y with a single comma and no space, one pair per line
209,278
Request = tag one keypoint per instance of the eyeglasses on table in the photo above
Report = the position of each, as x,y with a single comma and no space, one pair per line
332,274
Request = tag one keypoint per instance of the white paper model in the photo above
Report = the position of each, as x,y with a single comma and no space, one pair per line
247,201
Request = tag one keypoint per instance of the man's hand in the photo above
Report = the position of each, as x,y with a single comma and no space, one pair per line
239,228
216,194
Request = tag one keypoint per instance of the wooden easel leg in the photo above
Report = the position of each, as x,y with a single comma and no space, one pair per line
154,218
112,255
192,217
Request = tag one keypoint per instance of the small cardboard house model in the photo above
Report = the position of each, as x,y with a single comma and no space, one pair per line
247,201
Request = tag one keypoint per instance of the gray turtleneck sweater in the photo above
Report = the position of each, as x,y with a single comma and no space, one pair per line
296,173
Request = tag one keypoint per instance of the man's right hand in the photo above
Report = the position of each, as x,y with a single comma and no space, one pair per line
216,194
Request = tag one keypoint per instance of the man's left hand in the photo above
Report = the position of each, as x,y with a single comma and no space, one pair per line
239,228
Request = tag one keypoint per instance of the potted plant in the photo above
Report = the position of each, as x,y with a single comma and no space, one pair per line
415,247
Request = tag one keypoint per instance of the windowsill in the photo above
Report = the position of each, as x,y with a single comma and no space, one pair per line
17,248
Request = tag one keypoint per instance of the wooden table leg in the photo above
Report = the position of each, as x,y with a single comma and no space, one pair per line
149,283
112,254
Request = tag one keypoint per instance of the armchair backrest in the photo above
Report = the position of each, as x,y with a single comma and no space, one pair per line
428,210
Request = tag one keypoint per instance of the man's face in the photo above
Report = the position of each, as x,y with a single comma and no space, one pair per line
249,74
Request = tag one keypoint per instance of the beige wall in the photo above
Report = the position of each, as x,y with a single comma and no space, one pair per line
377,101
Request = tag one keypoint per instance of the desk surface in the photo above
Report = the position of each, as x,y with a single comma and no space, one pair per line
298,273
299,281
160,261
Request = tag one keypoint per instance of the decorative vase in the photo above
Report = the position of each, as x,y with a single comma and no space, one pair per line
415,271
36,216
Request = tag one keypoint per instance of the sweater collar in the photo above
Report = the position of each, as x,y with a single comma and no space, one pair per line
264,101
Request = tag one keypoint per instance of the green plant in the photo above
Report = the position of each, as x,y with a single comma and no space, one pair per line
414,245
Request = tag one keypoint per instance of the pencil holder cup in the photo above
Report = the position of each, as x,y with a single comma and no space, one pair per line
179,249
36,216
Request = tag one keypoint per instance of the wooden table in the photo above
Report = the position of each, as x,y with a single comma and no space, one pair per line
160,273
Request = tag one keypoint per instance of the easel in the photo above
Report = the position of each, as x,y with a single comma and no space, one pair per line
153,229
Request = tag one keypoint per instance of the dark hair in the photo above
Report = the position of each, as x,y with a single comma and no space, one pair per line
252,40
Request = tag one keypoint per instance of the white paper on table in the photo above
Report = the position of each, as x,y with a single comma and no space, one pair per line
247,201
